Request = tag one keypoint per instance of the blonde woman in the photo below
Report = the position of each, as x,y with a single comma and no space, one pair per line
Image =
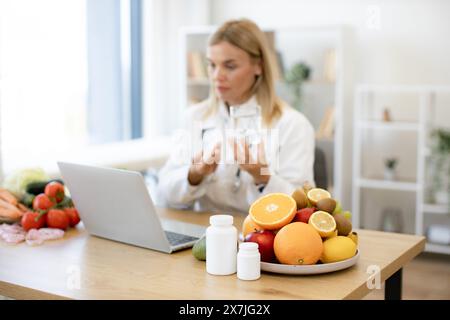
241,77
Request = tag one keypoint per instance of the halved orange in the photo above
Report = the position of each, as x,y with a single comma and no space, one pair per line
323,222
316,194
273,211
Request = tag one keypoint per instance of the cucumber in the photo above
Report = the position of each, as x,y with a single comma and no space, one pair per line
27,199
38,187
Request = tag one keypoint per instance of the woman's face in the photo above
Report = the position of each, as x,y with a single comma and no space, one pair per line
232,71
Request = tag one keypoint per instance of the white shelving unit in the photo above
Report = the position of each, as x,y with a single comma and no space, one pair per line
435,208
383,184
398,126
305,44
421,127
192,39
437,248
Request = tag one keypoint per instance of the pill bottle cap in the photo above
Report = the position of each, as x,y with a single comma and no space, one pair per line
221,220
248,246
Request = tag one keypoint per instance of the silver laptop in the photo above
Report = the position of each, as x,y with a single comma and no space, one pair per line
115,204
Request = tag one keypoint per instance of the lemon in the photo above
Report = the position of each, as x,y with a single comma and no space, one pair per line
334,234
316,194
323,222
337,249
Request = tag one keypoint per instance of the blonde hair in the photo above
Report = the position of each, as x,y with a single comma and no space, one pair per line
247,36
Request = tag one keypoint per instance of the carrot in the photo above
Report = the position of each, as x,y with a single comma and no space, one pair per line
8,197
22,207
9,211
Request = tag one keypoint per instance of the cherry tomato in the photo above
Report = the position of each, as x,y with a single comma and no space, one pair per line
57,219
42,202
32,220
73,215
55,190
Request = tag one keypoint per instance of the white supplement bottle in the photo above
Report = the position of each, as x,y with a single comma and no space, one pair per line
221,245
248,261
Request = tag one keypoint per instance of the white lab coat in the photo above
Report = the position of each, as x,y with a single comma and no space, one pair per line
223,191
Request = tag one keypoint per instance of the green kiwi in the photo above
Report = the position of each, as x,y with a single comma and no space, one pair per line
343,225
326,204
300,198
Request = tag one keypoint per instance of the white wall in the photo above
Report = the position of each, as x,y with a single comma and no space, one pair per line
411,44
391,42
162,21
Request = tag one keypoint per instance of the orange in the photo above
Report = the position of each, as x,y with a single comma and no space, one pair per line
316,194
298,243
273,211
323,223
249,226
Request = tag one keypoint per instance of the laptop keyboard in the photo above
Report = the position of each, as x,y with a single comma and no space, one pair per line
177,238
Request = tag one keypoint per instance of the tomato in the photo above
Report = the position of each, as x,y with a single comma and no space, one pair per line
42,202
73,215
55,190
32,220
57,219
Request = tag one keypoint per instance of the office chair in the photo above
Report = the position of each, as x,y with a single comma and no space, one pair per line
320,169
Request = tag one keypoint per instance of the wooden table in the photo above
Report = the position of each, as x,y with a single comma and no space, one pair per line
85,267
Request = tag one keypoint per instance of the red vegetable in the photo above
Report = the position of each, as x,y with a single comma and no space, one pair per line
57,219
55,190
33,220
73,215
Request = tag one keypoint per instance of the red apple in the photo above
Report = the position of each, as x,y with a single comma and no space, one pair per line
264,239
303,215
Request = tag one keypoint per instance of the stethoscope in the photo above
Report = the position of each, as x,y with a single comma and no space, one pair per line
237,181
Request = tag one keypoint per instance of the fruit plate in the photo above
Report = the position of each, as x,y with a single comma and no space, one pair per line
309,269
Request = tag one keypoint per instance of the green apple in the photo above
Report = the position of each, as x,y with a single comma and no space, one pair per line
199,249
338,208
348,215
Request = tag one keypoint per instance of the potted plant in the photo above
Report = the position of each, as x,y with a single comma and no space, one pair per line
440,166
295,77
389,168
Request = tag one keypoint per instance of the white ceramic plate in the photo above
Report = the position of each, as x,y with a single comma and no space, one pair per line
309,269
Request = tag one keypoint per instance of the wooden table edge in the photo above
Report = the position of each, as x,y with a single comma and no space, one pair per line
387,272
18,292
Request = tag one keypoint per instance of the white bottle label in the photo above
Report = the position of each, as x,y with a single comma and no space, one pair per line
221,250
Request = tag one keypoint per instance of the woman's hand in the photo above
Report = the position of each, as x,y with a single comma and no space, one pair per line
201,168
255,165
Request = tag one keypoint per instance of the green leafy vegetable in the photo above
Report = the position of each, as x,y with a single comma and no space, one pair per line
18,180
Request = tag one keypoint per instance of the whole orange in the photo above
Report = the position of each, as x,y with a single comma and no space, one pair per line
249,226
298,243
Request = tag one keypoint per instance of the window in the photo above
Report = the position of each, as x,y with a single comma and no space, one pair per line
43,76
69,76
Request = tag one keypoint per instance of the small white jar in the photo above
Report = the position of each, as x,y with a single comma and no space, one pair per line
221,245
248,261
